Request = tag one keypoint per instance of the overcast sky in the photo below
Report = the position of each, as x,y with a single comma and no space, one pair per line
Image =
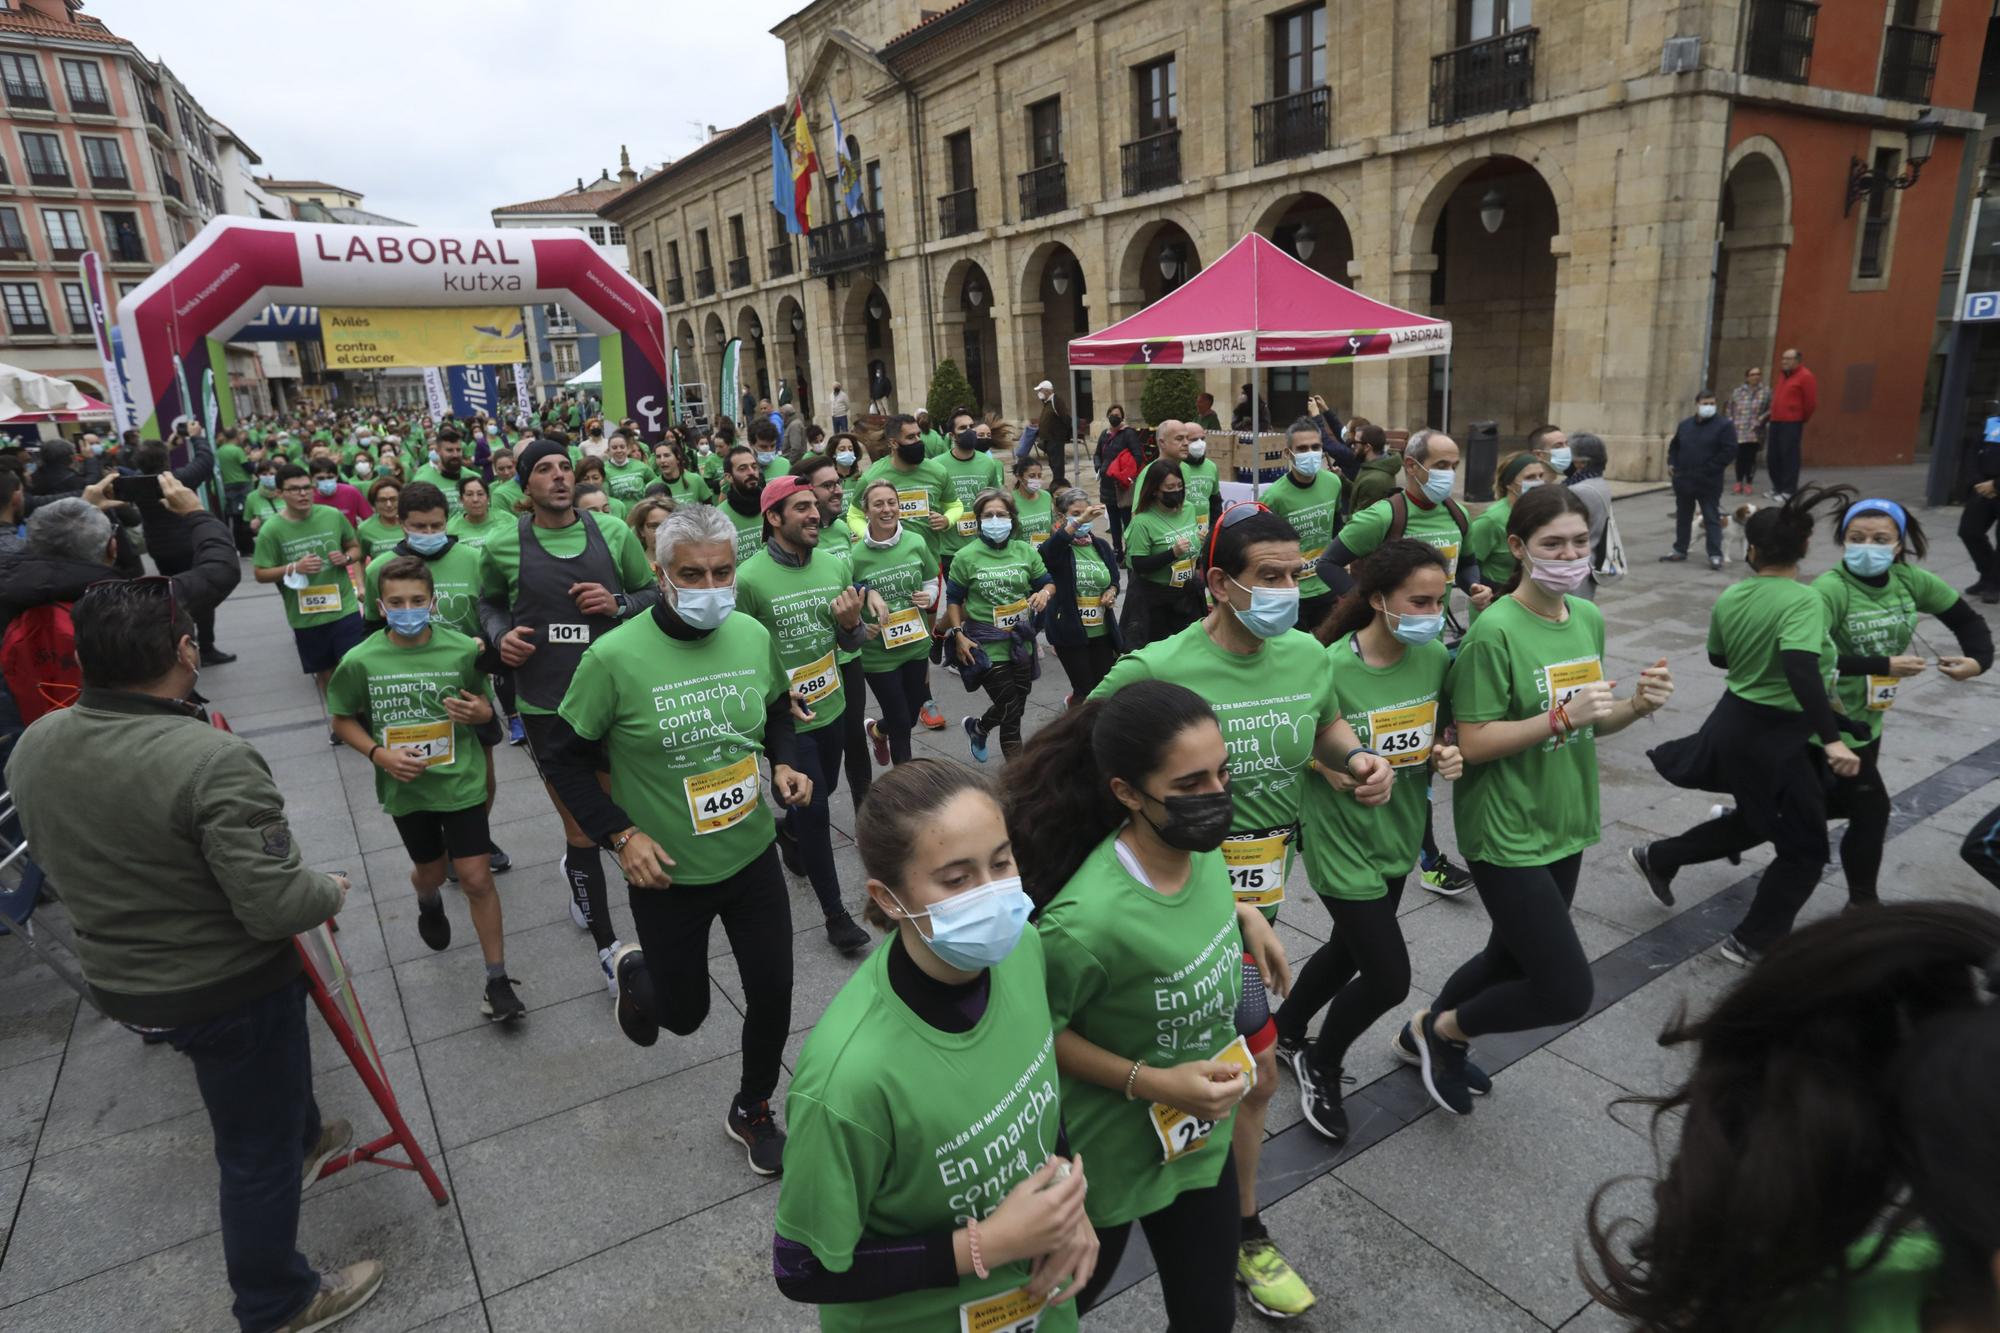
438,111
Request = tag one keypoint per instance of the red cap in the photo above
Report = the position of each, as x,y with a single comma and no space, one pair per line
779,489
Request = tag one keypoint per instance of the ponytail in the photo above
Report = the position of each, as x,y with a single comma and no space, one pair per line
1779,536
1383,570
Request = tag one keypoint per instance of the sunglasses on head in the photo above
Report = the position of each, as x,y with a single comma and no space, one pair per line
1232,514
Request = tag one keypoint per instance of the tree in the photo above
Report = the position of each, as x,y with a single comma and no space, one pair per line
949,391
1169,396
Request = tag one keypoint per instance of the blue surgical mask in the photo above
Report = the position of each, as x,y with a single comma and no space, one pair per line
410,622
1559,459
996,528
1529,485
1272,610
702,608
765,457
434,458
845,458
1867,559
975,930
268,483
1082,529
1415,629
1437,484
1309,463
325,485
426,543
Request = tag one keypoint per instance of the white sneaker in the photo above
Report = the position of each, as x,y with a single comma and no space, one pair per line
606,959
579,913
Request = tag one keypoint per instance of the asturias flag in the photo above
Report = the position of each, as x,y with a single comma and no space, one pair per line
847,170
782,196
804,163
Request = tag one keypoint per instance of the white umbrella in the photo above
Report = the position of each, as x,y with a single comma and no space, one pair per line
595,375
23,391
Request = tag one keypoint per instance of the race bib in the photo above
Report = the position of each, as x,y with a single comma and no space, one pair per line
319,599
1010,614
1037,538
1564,679
567,634
1449,550
1256,863
1180,1133
1183,571
1009,1312
968,526
915,507
1312,558
722,798
904,628
1882,693
428,741
1091,613
1403,735
815,680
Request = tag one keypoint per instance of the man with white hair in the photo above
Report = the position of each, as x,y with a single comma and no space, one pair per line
1053,431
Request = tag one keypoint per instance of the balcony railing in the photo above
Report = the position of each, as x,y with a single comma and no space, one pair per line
27,327
1496,74
154,116
1296,125
958,212
778,260
111,180
83,104
704,282
739,272
676,290
1045,190
172,185
129,250
1909,62
1151,163
58,177
32,96
13,253
1780,41
852,242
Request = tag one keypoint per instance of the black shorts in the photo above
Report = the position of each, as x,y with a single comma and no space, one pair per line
430,834
540,727
322,646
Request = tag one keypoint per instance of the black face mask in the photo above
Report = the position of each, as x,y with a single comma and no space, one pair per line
1116,421
983,443
1172,499
1196,823
912,452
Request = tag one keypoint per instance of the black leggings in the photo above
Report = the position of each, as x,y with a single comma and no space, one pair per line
1194,1241
1358,975
901,692
1786,883
1746,460
1864,800
1981,848
1532,972
503,685
811,824
1086,664
1007,685
854,734
756,914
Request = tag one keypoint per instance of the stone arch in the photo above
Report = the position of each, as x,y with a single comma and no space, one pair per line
1306,222
970,335
713,336
865,342
1754,229
1435,188
1131,246
1268,209
1028,276
791,349
756,361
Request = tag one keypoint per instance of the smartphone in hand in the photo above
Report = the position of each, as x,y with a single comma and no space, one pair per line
128,490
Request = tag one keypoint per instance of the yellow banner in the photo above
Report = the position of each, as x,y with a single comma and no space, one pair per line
368,338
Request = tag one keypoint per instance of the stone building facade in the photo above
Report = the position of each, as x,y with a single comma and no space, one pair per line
1615,202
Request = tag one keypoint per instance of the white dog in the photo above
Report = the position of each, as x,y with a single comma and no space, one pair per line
1735,542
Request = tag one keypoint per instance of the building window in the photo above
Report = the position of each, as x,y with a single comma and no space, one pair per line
1871,260
26,312
1481,19
104,160
1159,96
564,357
736,250
674,260
22,77
617,234
560,320
596,233
64,228
78,307
702,257
652,281
84,84
46,164
1045,132
121,233
958,160
1298,49
873,178
13,240
187,122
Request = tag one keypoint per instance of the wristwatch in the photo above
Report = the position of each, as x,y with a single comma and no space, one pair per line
618,843
624,604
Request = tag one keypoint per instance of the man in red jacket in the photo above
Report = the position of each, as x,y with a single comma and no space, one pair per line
1793,399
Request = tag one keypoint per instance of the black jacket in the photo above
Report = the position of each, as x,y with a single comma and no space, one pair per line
1701,450
1062,624
164,534
29,579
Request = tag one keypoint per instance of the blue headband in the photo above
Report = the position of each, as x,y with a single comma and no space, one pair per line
1887,508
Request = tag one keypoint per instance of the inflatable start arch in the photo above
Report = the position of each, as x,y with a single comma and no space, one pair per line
236,267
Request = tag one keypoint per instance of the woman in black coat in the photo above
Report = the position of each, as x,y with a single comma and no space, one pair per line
1081,623
1117,438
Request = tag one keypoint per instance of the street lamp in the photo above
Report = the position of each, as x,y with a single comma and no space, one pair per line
756,329
1863,180
1170,262
720,337
1492,210
975,294
875,307
1059,278
798,322
1302,242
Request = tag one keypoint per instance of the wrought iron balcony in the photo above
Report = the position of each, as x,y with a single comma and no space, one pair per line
958,212
1780,41
155,118
1296,125
847,243
1909,63
778,261
83,104
739,272
1151,163
1496,74
676,290
704,282
58,178
172,186
1045,190
110,180
33,96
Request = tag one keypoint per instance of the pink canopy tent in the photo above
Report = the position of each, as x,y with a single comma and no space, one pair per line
1258,306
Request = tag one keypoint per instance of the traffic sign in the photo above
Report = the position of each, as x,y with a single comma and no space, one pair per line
1981,306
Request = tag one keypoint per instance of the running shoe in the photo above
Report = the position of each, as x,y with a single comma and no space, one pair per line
1673,557
579,900
1739,953
880,740
341,1292
434,926
516,733
844,933
1292,1054
1659,885
1477,1081
633,985
1274,1289
1721,812
498,861
1445,879
1319,1101
757,1130
1443,1064
931,717
607,962
500,1003
976,737
335,1138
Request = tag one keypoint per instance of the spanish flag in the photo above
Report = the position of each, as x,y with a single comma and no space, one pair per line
804,163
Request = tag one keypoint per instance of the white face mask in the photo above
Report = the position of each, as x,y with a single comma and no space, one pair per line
1705,410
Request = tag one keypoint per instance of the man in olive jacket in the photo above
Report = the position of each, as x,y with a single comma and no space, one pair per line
184,908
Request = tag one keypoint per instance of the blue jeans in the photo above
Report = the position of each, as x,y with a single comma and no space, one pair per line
254,1068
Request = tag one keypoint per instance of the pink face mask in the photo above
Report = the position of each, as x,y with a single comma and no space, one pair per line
1559,576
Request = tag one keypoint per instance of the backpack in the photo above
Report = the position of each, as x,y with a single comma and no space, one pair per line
38,660
1399,517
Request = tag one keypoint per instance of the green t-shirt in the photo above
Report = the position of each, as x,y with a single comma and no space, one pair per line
329,594
898,1129
1314,511
1148,976
627,481
1203,481
1887,1298
749,532
997,581
377,536
476,535
398,690
836,546
1093,576
711,465
1486,541
455,576
683,726
1037,513
260,504
690,488
850,487
1271,705
449,485
967,477
935,444
506,494
1877,622
500,560
1757,619
1539,805
234,463
1156,530
896,573
1369,527
920,492
1351,850
794,603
